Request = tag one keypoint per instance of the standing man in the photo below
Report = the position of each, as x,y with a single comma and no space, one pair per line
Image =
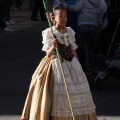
8,6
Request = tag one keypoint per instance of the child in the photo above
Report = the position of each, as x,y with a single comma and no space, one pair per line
54,104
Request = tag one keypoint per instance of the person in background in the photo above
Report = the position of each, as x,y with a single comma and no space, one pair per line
87,21
8,6
103,26
3,27
38,7
102,22
106,66
31,3
18,4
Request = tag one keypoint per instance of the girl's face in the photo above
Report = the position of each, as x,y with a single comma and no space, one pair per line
60,17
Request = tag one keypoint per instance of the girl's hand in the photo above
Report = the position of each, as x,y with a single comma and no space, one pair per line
49,51
53,56
54,43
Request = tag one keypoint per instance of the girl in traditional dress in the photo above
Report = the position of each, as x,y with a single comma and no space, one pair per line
47,98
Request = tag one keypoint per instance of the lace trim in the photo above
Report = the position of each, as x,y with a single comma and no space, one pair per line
68,113
80,88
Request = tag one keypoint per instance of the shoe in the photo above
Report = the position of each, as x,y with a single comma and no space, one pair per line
34,19
11,22
16,9
101,75
7,23
7,30
88,73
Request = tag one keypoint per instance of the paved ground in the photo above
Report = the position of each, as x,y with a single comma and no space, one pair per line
20,53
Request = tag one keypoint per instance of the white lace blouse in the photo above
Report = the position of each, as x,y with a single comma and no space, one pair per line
66,38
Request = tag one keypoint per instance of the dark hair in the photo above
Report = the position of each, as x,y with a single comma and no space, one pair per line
57,8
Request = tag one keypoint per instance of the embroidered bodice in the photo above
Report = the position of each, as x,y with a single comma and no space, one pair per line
65,51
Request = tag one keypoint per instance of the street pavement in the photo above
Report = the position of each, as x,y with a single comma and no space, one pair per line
20,54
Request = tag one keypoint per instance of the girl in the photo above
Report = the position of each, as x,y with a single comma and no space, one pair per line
54,104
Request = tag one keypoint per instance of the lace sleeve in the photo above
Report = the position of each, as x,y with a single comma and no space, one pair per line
47,39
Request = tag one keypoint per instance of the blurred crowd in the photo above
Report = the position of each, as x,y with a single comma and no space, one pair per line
35,6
